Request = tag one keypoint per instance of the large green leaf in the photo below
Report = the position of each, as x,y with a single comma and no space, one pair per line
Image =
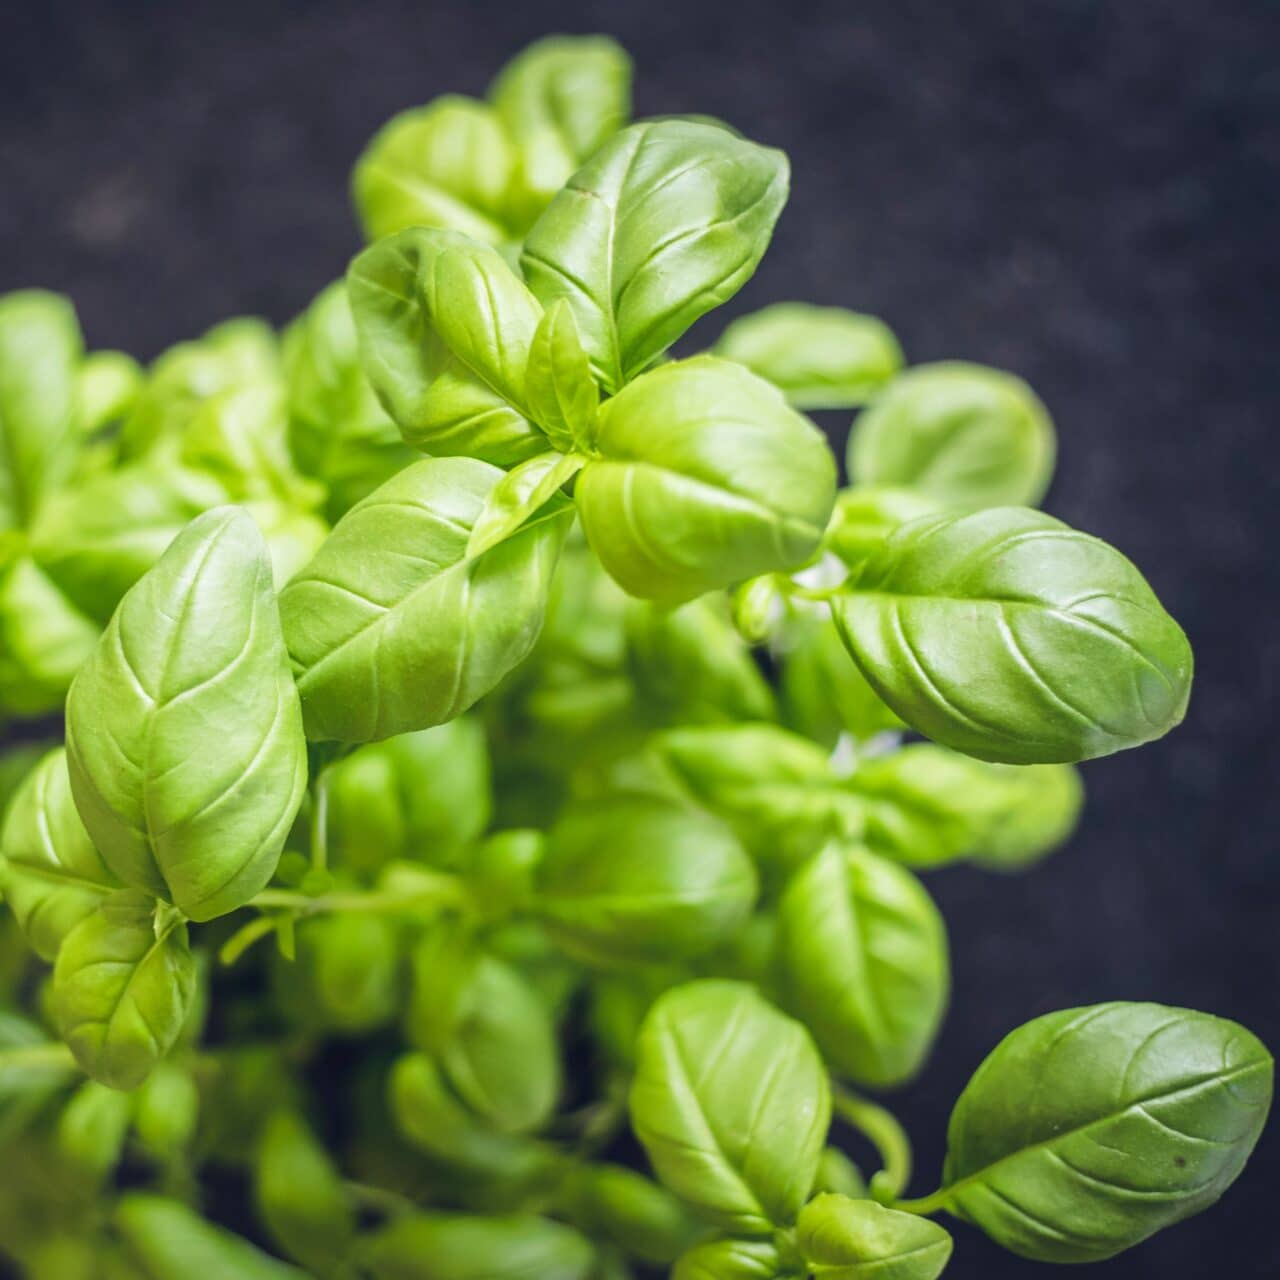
962,433
731,1101
1087,1130
1011,637
705,477
393,627
122,985
818,357
51,874
666,221
863,955
184,735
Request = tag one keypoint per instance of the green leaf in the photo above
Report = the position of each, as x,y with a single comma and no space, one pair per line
193,657
561,99
926,806
300,1197
166,1110
519,496
338,431
961,433
775,789
561,390
452,1247
51,875
122,985
731,1102
107,384
865,516
44,640
93,1126
345,977
823,692
733,1260
818,357
448,165
837,1173
97,540
1087,1130
611,1202
1011,637
842,1239
863,957
666,221
453,379
28,1079
635,878
171,1242
393,627
380,811
706,477
40,353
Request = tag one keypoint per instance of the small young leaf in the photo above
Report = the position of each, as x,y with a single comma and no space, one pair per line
1010,637
842,1239
731,1102
1086,1131
666,221
818,357
194,656
863,955
393,627
561,390
733,1260
631,878
865,515
93,1126
166,1110
519,496
51,874
705,477
964,434
122,985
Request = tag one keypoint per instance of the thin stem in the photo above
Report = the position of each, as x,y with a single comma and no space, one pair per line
888,1136
428,889
51,1055
392,1203
244,937
925,1204
320,822
821,594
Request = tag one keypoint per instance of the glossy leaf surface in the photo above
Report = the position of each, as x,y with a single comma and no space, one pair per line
842,1239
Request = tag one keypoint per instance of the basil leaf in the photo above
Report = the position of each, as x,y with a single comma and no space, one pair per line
171,1242
961,433
823,693
818,357
775,789
733,1260
338,432
300,1197
393,627
450,1247
1009,636
690,666
40,353
666,221
122,985
561,99
1087,1130
561,391
863,957
51,874
166,1110
629,879
1044,807
732,1104
864,516
621,1206
844,1239
520,495
449,164
838,1174
705,477
193,656
44,640
96,540
345,977
93,1127
380,811
448,367
107,384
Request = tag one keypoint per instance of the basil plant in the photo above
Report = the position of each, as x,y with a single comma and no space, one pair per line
490,729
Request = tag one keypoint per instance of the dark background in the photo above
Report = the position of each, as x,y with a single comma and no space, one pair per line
1084,193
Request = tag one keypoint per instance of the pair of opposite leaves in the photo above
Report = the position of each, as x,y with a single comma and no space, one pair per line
1082,1133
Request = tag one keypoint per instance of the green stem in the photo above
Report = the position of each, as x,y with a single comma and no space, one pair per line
391,1203
51,1055
925,1204
888,1136
429,889
244,937
320,822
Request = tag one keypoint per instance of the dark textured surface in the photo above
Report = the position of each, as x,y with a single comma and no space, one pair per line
1084,193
